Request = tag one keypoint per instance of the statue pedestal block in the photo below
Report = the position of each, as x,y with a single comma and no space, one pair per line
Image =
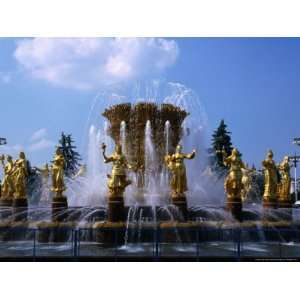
20,209
110,234
285,203
116,209
4,202
270,202
20,202
59,207
235,206
54,232
180,203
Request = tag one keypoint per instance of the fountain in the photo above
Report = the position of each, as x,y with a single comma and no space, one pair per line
152,195
146,139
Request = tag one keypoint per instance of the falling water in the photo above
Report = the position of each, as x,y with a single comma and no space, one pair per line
94,174
151,184
123,136
167,136
164,178
131,191
93,162
90,189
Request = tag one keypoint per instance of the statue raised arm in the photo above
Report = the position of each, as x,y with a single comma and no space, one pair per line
117,180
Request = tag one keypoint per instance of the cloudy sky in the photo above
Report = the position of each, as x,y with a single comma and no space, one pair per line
49,85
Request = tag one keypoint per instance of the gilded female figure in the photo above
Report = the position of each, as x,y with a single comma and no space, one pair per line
175,163
284,187
117,180
20,174
271,178
234,181
8,182
58,165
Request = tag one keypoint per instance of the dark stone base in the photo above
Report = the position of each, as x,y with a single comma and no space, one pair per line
116,209
15,231
6,202
59,207
270,203
285,204
20,209
110,233
52,232
180,203
235,206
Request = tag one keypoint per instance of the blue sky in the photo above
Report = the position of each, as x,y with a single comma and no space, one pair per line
47,86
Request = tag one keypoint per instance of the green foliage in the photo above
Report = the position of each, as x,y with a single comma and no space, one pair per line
221,139
71,156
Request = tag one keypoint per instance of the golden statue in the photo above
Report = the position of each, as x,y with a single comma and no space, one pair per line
7,188
20,174
117,180
234,181
271,179
284,186
58,185
175,163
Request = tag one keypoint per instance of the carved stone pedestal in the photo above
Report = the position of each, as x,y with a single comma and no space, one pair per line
59,207
270,203
20,209
116,210
180,203
235,206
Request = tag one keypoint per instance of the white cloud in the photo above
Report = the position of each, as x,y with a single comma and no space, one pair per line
41,145
39,141
39,134
94,62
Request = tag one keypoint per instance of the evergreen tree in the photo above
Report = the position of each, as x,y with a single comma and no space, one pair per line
221,140
71,156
